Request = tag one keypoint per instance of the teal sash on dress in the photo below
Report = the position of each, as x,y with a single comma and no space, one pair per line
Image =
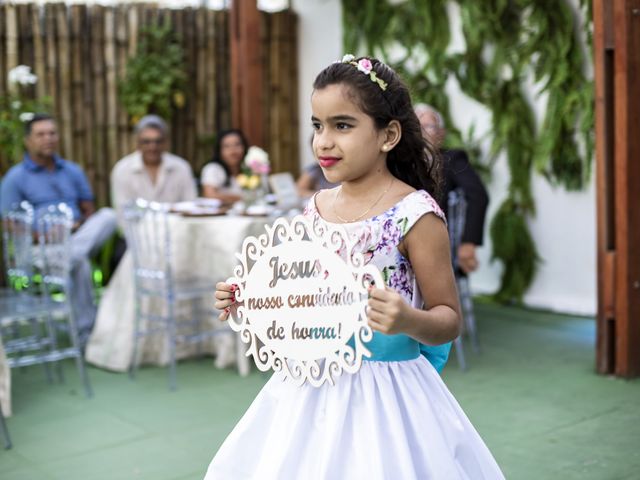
436,354
397,348
392,348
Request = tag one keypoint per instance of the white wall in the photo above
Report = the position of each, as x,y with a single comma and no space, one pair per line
564,228
320,43
564,231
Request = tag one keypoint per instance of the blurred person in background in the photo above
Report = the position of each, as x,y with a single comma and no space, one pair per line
458,173
151,173
218,178
311,180
43,178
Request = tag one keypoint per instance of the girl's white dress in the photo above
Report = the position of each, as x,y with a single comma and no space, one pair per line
395,419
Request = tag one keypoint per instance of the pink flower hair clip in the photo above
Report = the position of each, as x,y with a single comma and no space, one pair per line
365,66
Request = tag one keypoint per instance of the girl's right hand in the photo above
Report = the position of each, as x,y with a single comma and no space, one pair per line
225,299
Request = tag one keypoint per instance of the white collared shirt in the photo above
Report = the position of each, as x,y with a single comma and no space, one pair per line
213,175
130,180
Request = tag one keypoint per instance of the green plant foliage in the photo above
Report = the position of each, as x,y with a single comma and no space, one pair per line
516,251
558,61
16,108
14,113
154,75
507,43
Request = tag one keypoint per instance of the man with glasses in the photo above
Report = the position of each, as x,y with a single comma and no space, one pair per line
43,178
151,173
458,173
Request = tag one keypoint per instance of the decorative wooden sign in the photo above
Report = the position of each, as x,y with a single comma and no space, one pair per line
302,300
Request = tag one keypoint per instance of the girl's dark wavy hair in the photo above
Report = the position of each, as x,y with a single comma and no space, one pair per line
413,160
217,156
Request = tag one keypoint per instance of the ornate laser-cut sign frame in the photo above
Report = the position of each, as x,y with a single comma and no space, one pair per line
302,300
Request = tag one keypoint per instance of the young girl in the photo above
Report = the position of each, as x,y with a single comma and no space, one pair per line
395,418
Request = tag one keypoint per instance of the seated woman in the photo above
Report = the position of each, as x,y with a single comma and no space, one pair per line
218,177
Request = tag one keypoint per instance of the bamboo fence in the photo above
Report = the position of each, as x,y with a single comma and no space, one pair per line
79,54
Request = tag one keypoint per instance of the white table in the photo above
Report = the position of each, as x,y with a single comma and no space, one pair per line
205,246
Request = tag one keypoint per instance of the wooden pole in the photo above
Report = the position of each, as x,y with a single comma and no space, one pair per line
223,70
78,14
11,28
210,107
247,74
122,148
111,76
99,161
39,62
617,76
189,139
64,71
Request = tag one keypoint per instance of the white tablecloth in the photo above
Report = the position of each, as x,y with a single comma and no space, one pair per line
204,246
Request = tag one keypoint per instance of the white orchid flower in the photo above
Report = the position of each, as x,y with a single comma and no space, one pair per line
26,116
21,75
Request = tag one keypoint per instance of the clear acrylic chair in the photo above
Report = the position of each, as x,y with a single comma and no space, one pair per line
17,238
18,233
149,241
456,214
284,187
31,319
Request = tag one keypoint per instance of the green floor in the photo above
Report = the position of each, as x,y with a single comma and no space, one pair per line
532,395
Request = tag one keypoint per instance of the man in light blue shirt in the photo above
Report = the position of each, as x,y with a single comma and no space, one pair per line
43,178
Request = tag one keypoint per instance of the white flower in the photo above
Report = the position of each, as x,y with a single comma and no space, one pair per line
348,58
17,73
26,116
272,5
257,160
16,104
506,73
21,75
365,66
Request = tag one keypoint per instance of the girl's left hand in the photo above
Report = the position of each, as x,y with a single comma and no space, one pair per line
387,312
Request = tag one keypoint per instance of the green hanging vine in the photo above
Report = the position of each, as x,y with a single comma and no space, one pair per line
507,43
155,75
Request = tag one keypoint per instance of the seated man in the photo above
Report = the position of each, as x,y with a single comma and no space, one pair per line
43,178
458,173
150,172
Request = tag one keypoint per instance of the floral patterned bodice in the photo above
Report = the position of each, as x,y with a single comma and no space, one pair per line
378,239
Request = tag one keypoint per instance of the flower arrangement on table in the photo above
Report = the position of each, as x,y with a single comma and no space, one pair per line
255,168
17,108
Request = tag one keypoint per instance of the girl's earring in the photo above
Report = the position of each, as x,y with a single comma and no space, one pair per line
385,148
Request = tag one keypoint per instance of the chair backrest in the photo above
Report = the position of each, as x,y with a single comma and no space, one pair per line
148,239
284,187
53,225
456,215
17,239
